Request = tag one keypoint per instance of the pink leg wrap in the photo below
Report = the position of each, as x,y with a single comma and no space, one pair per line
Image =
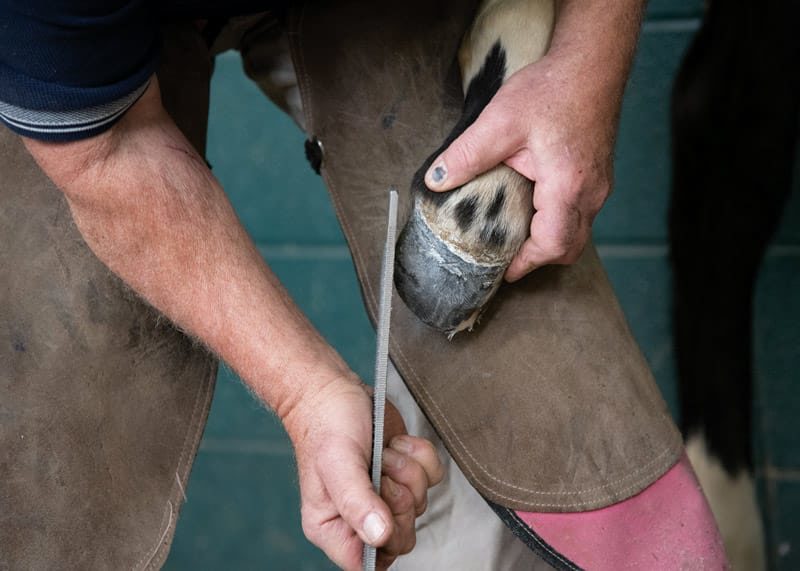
668,526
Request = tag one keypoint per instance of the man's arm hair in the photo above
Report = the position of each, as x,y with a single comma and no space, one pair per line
603,37
150,209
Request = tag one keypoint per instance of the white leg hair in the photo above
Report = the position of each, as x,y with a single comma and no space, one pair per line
456,245
522,28
733,501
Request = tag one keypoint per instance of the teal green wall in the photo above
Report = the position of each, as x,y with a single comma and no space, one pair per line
242,510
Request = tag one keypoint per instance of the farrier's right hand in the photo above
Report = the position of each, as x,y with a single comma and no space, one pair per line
146,203
332,434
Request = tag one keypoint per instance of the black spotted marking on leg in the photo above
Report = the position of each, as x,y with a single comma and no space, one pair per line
484,85
498,237
497,204
493,236
465,212
480,91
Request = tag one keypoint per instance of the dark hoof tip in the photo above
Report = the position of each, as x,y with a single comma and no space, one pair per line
442,288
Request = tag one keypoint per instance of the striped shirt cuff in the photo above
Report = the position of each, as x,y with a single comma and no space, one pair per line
68,125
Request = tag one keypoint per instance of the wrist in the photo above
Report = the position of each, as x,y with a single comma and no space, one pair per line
301,412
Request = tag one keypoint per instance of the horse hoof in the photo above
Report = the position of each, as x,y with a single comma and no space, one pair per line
443,285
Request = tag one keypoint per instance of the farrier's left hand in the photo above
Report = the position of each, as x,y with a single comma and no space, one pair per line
331,430
548,123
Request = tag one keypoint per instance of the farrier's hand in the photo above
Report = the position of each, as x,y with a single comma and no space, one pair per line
554,122
545,126
146,204
332,434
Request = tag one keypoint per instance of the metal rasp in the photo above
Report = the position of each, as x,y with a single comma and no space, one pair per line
382,360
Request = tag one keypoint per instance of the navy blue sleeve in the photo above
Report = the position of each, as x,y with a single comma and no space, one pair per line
70,69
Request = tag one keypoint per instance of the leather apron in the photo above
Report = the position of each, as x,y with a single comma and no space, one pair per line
549,404
102,401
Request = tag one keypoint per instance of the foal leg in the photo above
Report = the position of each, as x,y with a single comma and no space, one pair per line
734,117
456,246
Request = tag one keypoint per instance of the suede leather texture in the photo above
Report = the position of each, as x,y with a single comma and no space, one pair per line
549,404
102,401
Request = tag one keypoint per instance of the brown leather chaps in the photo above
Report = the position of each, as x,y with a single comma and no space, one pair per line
547,406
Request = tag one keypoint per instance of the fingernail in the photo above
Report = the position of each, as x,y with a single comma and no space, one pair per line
393,459
438,174
374,526
401,445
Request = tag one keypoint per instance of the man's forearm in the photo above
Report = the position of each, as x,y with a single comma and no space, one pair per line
600,38
150,209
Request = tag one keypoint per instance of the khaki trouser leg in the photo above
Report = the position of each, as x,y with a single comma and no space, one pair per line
459,530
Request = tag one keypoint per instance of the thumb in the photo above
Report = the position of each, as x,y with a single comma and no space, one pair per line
349,487
483,145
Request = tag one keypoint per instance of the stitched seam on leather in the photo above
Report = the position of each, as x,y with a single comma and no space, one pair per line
423,393
193,434
148,556
303,80
463,446
528,490
427,398
563,505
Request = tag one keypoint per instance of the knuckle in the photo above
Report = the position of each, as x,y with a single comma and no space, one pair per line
422,507
466,153
526,265
576,245
385,559
606,187
527,254
438,474
571,257
420,476
563,237
598,198
310,529
409,544
555,247
426,449
528,259
394,465
572,185
500,119
398,496
349,506
405,502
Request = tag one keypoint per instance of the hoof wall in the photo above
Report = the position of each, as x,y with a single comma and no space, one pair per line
445,288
